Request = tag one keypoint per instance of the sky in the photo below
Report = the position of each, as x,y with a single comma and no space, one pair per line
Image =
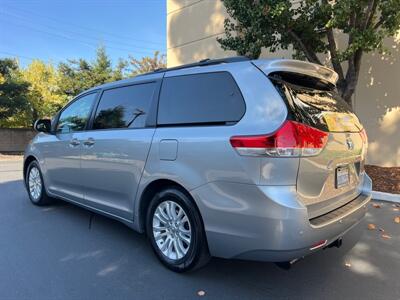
57,30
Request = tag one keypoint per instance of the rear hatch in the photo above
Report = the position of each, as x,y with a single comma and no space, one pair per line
333,177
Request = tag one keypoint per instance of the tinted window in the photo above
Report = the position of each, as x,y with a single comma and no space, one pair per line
76,115
200,98
318,108
124,107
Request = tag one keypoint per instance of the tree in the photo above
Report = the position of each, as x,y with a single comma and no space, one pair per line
13,95
79,75
148,64
101,68
44,95
76,76
311,28
120,70
41,89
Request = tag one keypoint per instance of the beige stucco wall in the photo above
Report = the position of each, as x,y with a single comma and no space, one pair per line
192,28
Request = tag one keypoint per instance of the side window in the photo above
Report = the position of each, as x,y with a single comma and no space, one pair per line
76,115
124,107
200,98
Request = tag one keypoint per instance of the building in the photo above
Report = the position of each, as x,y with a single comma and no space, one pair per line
192,28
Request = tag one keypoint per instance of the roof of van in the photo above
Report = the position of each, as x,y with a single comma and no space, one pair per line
126,81
156,74
272,64
201,63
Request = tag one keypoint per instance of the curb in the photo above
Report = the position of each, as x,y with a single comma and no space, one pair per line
381,196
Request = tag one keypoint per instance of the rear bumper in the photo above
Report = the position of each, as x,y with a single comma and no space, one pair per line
268,223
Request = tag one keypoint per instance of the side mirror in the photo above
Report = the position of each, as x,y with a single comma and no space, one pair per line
43,125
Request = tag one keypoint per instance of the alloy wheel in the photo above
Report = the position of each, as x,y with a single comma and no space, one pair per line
35,183
171,230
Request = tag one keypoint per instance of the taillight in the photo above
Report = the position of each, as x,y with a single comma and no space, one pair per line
292,139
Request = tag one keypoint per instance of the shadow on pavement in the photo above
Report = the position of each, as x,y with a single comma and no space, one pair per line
55,244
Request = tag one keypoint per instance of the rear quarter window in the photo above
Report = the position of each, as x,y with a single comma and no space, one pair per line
200,99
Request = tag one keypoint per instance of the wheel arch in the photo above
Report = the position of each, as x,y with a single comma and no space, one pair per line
30,158
148,193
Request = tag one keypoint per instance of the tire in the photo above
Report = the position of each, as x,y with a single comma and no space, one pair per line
35,185
177,254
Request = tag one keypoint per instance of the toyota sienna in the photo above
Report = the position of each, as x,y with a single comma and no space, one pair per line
234,158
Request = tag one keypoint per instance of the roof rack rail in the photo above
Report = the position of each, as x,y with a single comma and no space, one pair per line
203,62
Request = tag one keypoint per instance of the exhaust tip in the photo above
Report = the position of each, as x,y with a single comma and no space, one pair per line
286,265
338,243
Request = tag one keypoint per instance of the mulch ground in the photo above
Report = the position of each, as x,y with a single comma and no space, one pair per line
384,179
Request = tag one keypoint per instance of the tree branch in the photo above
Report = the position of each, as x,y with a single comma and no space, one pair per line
370,13
352,76
348,87
311,56
333,50
334,55
379,23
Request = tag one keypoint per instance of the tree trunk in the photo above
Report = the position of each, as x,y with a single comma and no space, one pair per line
35,116
347,87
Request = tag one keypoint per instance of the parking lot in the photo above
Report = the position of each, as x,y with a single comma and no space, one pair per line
53,253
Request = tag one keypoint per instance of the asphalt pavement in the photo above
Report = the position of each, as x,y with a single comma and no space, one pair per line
53,253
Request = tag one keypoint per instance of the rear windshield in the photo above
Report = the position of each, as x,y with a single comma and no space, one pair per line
322,109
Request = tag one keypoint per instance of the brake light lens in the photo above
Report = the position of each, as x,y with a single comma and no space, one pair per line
293,139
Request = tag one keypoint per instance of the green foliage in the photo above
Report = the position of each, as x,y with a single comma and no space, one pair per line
148,64
310,28
13,94
79,75
44,95
41,89
120,70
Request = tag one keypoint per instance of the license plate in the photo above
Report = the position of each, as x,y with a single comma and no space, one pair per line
342,176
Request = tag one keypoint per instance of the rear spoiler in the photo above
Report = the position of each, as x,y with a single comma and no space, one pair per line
269,66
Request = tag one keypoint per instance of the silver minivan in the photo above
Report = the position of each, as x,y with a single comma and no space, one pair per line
234,158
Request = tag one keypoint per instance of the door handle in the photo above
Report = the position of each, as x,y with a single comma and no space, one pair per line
89,142
74,143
